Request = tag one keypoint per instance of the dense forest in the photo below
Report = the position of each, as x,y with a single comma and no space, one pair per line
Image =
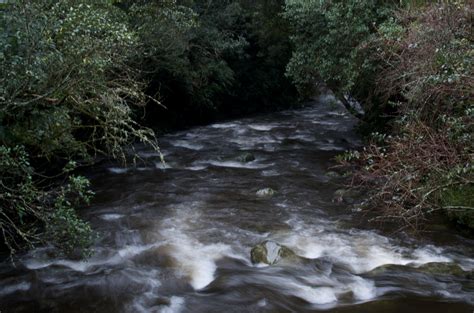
84,80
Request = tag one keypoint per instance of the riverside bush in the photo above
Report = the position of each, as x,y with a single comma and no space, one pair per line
410,63
426,167
66,94
326,35
31,213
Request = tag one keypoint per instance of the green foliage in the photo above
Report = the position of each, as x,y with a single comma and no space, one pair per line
30,214
20,199
67,92
186,47
459,204
65,83
260,70
63,227
391,30
425,57
424,61
18,196
326,35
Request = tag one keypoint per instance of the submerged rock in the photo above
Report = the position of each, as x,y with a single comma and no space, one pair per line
444,268
432,268
246,157
270,252
266,192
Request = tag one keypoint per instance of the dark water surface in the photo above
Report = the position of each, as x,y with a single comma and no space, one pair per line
177,237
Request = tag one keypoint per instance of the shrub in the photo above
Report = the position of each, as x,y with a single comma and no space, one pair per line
30,214
426,65
409,173
326,35
427,57
65,82
66,94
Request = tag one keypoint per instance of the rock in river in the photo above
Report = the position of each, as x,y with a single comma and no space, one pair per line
270,252
266,192
432,268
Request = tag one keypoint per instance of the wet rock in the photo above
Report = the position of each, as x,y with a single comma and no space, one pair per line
266,192
386,268
432,268
270,252
246,157
444,268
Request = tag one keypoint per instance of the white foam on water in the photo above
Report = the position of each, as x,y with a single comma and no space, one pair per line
118,170
9,289
330,147
429,254
456,294
270,173
337,114
363,289
224,125
149,154
186,144
143,169
318,295
466,264
240,130
325,123
311,294
194,260
146,301
176,305
121,170
163,166
250,142
302,137
361,251
111,217
261,127
270,147
196,168
118,257
236,164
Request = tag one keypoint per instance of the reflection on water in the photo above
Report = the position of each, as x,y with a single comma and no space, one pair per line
176,237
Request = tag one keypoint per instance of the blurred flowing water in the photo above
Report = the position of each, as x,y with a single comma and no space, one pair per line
176,237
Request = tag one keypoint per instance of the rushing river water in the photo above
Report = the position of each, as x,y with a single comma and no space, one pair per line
176,237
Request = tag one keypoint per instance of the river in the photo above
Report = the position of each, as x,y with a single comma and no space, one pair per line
176,237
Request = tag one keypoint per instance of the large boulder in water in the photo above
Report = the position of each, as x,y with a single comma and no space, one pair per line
270,252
